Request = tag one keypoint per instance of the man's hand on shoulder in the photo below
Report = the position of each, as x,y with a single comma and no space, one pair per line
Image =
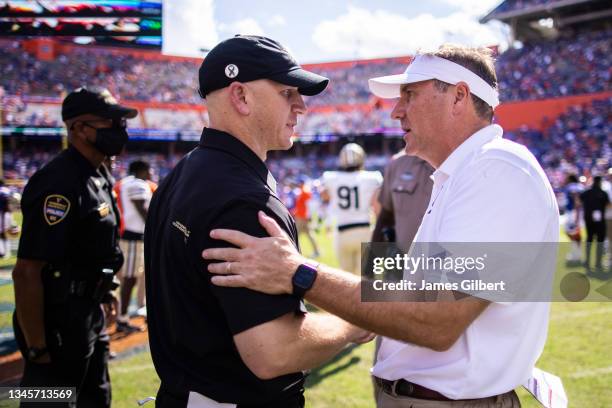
247,266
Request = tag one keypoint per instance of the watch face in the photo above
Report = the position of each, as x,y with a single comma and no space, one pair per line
304,277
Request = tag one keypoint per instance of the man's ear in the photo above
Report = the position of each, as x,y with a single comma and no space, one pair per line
75,127
238,98
462,96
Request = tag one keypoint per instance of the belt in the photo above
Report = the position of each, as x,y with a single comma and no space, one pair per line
408,389
354,225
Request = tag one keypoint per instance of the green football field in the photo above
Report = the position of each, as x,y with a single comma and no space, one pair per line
579,350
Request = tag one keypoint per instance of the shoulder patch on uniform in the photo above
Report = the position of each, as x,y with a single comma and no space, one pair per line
56,208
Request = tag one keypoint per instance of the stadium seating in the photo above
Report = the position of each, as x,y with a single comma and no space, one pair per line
576,63
578,142
565,66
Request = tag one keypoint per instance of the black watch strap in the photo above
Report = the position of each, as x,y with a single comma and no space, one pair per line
36,352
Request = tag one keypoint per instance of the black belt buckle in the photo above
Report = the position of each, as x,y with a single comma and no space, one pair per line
396,388
405,389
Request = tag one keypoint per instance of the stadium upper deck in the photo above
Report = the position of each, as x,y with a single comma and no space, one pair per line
576,63
31,87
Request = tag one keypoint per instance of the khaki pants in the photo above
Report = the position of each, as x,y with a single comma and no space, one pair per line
384,400
348,248
133,267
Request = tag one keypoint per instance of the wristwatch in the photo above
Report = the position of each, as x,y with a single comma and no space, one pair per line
35,352
304,278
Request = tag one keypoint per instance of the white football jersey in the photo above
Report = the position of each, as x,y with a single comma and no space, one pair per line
133,188
350,194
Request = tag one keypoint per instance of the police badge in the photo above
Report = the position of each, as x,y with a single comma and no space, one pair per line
56,208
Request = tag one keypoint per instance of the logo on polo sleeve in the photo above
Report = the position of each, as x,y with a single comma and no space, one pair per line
55,209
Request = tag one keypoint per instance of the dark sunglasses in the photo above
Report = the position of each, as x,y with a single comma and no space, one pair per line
115,123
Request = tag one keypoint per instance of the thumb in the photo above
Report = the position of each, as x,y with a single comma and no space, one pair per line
270,225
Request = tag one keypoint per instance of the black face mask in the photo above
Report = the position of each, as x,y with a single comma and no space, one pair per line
110,141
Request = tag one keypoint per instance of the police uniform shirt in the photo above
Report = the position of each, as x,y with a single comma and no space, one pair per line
220,184
405,192
69,216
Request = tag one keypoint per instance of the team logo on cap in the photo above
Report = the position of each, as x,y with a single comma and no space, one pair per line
231,71
56,208
108,98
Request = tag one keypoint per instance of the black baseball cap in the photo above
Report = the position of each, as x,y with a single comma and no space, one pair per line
95,101
247,58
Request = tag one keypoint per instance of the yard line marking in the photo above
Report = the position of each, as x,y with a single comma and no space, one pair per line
591,373
580,313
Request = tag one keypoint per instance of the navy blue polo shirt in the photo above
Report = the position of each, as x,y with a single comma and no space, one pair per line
220,184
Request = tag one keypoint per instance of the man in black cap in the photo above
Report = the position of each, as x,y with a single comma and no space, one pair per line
69,253
594,203
215,346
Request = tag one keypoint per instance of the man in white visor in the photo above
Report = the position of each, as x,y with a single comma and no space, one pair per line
473,351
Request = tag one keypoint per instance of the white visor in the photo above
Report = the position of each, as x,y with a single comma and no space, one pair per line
426,67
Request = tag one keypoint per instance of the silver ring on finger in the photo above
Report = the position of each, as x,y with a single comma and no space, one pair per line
228,267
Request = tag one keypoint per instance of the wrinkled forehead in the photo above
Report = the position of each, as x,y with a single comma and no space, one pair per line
416,85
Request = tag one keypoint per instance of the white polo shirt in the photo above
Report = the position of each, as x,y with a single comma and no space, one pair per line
488,190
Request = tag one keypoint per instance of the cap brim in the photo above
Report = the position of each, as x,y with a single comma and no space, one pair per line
308,83
389,86
118,111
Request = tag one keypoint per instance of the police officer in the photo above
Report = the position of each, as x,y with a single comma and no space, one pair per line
69,252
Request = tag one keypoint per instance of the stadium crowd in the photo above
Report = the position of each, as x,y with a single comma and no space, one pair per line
367,121
579,141
569,65
126,76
